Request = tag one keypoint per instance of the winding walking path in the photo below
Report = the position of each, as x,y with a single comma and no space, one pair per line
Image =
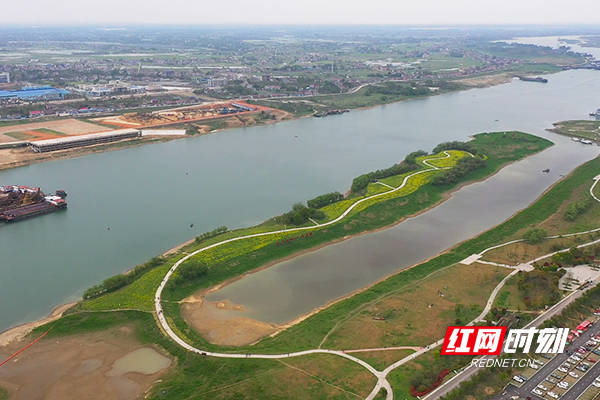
380,375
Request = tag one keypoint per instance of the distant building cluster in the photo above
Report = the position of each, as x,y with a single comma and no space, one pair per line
4,77
34,93
112,88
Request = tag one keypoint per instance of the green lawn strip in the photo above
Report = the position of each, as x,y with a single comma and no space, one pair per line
308,333
19,135
3,394
381,359
50,131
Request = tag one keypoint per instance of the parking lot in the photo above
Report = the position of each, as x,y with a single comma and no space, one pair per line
571,375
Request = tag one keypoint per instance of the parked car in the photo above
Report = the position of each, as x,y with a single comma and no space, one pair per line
563,385
553,395
596,384
574,375
518,379
542,387
538,392
563,369
551,380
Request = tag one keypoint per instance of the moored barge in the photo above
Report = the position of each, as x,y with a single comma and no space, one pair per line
20,202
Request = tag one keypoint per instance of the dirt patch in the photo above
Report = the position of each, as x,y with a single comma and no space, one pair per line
486,80
69,126
220,322
78,367
19,332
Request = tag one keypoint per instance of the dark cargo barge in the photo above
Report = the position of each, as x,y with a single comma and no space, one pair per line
20,202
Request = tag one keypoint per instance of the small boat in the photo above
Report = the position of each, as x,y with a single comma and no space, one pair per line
585,141
575,139
546,170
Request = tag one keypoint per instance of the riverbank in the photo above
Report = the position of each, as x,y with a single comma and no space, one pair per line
204,316
19,332
13,158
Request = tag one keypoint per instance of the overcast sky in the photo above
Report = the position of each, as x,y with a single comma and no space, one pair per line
302,12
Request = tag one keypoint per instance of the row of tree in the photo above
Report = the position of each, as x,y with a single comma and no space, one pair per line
118,281
325,199
462,168
299,215
213,233
360,183
455,145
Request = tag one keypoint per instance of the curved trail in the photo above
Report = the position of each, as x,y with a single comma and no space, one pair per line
381,380
457,379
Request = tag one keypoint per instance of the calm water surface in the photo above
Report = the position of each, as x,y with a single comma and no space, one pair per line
150,195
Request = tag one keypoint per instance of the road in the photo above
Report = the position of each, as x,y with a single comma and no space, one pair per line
525,390
468,372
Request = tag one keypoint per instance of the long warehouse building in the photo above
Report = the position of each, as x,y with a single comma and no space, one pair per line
42,146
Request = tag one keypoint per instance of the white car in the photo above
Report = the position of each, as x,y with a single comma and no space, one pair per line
539,362
518,379
573,374
563,385
566,365
553,395
563,369
542,387
596,383
538,392
533,366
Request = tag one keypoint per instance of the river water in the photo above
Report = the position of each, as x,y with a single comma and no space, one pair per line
150,195
555,42
295,287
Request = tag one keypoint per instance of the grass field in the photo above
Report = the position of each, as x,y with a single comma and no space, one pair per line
419,314
578,128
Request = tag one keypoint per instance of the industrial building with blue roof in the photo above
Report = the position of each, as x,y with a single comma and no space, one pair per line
34,93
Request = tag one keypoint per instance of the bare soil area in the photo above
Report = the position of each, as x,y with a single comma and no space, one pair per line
220,322
87,366
68,126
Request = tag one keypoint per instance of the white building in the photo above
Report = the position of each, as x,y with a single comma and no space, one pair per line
4,77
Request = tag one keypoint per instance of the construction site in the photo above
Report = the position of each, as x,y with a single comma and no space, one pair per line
182,115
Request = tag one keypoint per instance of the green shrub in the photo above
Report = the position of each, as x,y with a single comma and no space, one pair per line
324,200
577,208
299,215
535,235
462,168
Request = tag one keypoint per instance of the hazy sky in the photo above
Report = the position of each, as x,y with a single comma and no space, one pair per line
302,12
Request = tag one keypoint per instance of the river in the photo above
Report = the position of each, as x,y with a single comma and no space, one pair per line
557,41
126,206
